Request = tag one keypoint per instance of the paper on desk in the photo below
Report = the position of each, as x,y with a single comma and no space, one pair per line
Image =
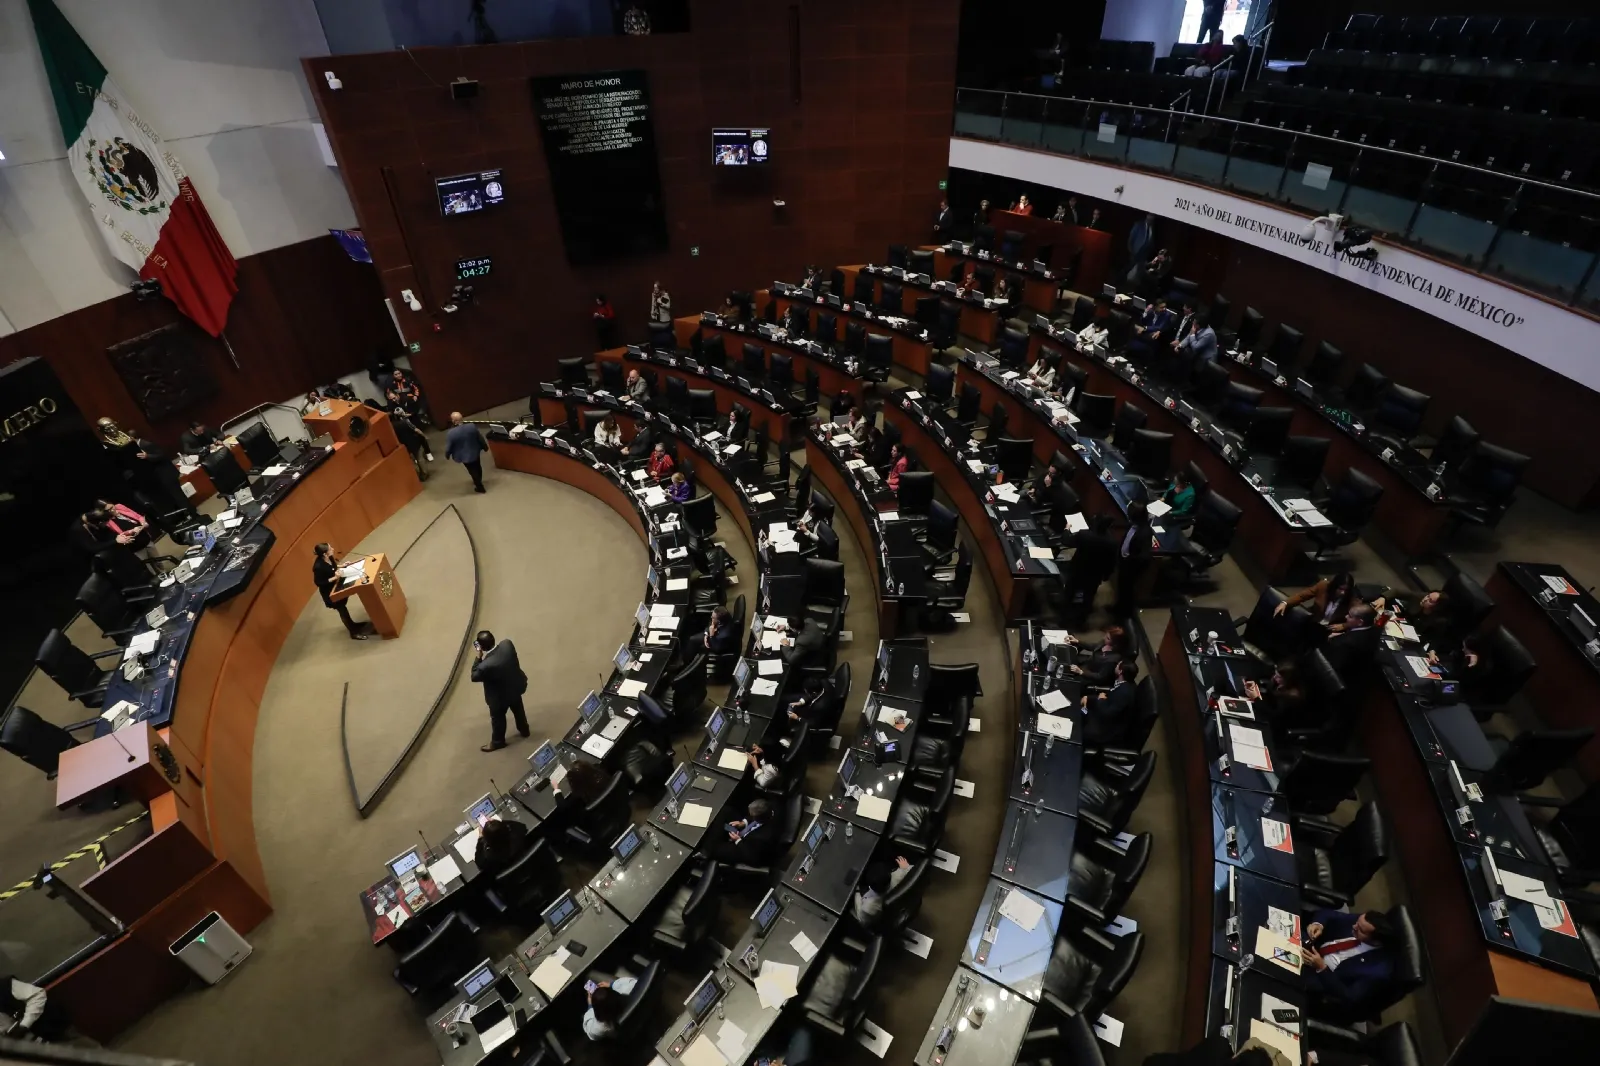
1285,923
1252,755
842,440
730,1041
1052,701
1274,1037
732,759
1040,553
1053,726
888,516
854,464
777,983
1270,945
803,946
659,609
768,667
677,553
1005,491
637,475
771,640
1400,630
764,686
677,584
975,466
1022,910
397,916
444,871
655,496
733,449
116,709
1076,523
467,846
1419,666
1276,835
702,1052
714,435
874,807
550,977
1054,636
697,815
1556,918
781,534
912,394
630,688
891,716
1247,735
1527,889
274,470
1157,508
786,548
597,746
1270,1003
763,497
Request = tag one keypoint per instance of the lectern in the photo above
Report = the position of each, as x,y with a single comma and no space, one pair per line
379,592
134,758
341,419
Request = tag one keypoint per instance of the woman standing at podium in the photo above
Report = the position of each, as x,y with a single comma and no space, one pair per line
325,572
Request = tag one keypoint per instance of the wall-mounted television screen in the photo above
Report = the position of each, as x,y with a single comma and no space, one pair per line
741,148
466,193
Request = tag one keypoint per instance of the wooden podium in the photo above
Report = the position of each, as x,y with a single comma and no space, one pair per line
336,423
379,592
134,758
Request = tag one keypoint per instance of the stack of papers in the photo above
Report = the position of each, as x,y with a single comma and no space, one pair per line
874,807
1076,523
444,871
1275,1037
551,976
1249,746
1053,726
1400,631
116,710
764,686
1022,910
655,496
274,470
466,846
677,584
771,640
1419,666
697,815
597,745
803,946
1005,491
143,644
731,759
769,667
731,1040
630,689
1051,701
1157,508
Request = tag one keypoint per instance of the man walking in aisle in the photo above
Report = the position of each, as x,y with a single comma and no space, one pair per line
497,669
466,445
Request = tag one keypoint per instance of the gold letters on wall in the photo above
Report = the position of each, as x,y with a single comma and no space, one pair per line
27,418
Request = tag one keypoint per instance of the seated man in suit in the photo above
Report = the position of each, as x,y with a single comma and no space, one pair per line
1467,663
1347,960
1106,714
198,439
1201,339
749,840
800,648
1147,332
1353,643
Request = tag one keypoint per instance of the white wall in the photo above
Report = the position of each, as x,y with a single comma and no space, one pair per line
220,81
1143,20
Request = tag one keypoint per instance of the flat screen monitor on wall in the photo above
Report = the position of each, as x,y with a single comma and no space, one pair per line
740,148
599,139
467,193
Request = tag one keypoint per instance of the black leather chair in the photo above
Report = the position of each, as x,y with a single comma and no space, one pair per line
1326,719
1104,874
819,737
1468,603
257,442
1301,460
1316,782
969,401
933,755
1069,1040
1324,367
605,816
74,669
642,1002
825,596
1364,389
1455,443
1510,666
1408,976
903,902
1349,507
573,371
1526,760
1088,967
529,885
1216,520
646,765
947,702
1491,473
752,876
686,919
1393,1045
917,825
1106,799
835,1001
720,668
1337,861
116,617
446,953
947,591
1399,414
940,534
33,740
916,492
224,471
1278,636
1269,431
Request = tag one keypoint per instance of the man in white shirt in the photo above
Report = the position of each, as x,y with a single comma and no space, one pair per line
22,1011
766,774
876,883
607,1001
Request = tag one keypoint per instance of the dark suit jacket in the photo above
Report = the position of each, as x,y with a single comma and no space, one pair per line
723,641
1108,718
1357,979
1099,667
464,444
192,443
325,574
943,221
501,675
756,847
807,643
1096,555
489,864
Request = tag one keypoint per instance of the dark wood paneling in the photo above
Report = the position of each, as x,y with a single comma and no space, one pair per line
305,314
857,161
1512,401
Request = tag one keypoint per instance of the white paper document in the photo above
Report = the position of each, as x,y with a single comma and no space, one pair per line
659,610
677,584
771,640
1052,701
597,746
467,846
637,475
1040,553
874,807
550,977
1022,910
763,497
444,871
1076,523
1400,631
114,711
732,759
1157,508
777,983
1050,725
630,689
803,946
1274,832
768,667
1527,889
702,1051
763,686
697,815
731,1040
654,496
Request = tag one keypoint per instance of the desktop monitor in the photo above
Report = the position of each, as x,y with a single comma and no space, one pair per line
542,756
591,708
847,768
626,844
560,912
624,658
478,980
741,673
482,809
642,616
704,997
680,780
714,724
766,912
403,865
815,834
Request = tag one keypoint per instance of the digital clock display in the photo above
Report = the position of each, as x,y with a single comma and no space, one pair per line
472,268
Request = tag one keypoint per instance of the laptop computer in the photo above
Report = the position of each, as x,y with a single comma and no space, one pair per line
494,1024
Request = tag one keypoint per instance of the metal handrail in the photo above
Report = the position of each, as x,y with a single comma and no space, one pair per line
1211,83
1520,179
1265,46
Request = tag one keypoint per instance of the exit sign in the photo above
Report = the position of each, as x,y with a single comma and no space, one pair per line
694,250
943,185
414,346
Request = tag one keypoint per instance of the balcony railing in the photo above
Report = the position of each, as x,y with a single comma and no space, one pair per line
1507,227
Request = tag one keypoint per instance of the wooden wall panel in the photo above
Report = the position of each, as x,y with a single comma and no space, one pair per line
857,161
305,314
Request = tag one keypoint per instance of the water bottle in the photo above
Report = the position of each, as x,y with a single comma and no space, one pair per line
1049,743
655,841
1247,962
849,830
902,590
916,672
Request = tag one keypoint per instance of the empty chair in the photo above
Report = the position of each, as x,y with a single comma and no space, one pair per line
1013,350
835,1002
33,740
73,669
573,371
926,311
1456,442
1105,873
941,533
916,491
999,417
1285,348
825,595
753,362
1468,602
448,951
1399,413
109,609
1316,782
1336,861
1325,364
952,688
1509,667
1210,383
1014,455
1088,967
528,885
714,352
1365,388
1349,507
1279,636
677,396
1106,801
224,471
257,442
1238,406
662,339
1528,758
1129,418
877,356
917,825
1490,475
603,817
1249,331
640,1005
891,297
613,378
1393,1045
1269,431
1095,413
949,323
1216,519
1011,244
1149,454
1069,1038
827,331
864,289
855,337
686,919
939,383
1301,460
968,404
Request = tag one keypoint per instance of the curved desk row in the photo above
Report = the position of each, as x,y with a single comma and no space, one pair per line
1088,249
202,853
764,408
977,319
1273,537
1038,286
834,372
911,347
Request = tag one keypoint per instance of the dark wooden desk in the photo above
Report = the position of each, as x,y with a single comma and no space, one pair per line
717,797
1035,850
977,321
831,379
631,888
799,917
596,927
1005,951
1007,1019
739,1008
1094,261
838,864
1057,771
470,1051
728,392
828,473
908,351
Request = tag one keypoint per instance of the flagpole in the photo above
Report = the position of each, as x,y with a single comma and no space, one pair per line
231,354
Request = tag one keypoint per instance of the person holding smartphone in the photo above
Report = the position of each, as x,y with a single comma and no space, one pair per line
607,1001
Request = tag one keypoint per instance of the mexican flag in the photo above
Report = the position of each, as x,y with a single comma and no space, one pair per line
148,211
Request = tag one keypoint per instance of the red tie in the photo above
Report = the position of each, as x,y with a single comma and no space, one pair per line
1333,947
